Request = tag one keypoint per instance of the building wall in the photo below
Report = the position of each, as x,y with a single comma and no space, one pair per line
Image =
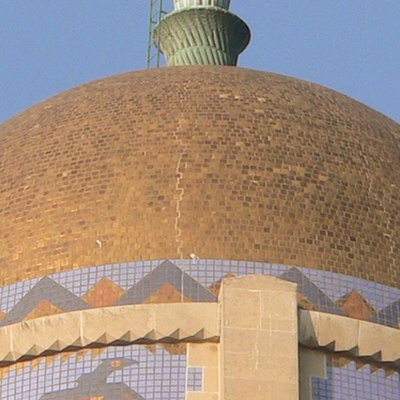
253,342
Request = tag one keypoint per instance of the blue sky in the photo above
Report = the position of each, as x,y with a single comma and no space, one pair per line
353,46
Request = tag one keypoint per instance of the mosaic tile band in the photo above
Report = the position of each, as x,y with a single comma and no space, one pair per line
190,281
347,379
156,372
132,372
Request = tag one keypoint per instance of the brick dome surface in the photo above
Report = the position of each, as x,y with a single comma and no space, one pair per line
219,162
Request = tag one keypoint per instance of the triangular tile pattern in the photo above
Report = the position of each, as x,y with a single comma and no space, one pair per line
341,369
167,272
168,283
311,292
104,293
354,305
166,294
43,309
45,289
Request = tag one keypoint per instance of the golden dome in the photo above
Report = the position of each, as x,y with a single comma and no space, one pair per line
219,162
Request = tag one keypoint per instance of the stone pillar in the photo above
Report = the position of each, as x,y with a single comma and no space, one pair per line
312,364
259,339
204,357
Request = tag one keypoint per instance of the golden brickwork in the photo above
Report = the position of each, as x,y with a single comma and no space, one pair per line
219,162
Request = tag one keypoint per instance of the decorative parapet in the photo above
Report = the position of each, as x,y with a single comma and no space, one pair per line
359,339
186,281
122,325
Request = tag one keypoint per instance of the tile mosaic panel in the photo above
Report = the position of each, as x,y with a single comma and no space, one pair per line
131,372
349,380
195,379
191,281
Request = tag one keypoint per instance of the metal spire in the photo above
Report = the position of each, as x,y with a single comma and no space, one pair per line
155,16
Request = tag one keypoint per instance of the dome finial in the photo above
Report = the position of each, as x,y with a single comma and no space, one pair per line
201,32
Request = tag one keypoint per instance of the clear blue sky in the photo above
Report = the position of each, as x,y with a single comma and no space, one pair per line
353,46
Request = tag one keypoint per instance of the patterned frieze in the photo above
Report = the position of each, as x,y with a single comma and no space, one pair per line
178,281
244,344
99,327
358,339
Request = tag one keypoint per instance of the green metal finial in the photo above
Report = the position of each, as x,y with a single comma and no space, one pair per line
201,32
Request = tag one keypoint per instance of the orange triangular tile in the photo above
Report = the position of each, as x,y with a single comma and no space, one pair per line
104,293
43,309
166,294
355,306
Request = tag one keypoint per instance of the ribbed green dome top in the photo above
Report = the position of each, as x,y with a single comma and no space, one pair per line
201,32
